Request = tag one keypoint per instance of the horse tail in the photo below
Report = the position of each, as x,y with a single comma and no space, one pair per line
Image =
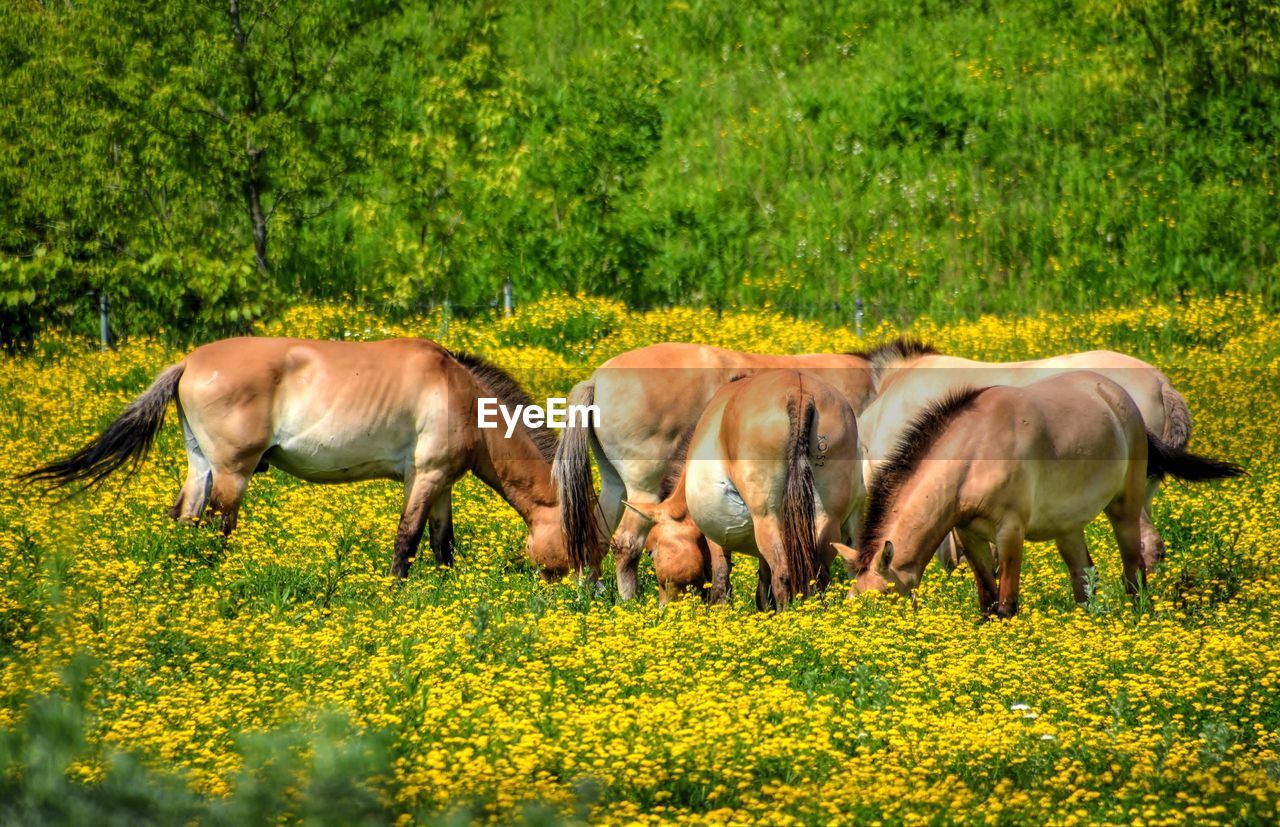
575,492
1164,459
124,442
799,540
1177,417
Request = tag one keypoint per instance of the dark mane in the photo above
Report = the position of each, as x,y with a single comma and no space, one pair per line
902,463
509,392
679,456
897,350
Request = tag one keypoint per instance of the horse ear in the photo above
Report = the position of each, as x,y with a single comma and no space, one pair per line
886,559
650,511
847,554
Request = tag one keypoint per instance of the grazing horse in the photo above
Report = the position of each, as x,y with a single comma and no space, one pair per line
772,470
908,375
402,409
648,398
1003,465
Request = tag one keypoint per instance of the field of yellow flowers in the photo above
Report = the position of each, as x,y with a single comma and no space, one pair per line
282,674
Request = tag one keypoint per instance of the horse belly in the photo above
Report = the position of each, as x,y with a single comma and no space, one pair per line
717,507
315,463
318,453
1071,493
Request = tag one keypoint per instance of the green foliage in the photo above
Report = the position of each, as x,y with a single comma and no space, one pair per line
931,157
434,224
589,173
326,774
156,153
1205,49
35,760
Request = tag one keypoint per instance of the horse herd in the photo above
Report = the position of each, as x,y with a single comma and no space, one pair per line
886,458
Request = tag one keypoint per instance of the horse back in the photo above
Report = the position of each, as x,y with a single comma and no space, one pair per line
1068,445
326,411
908,389
649,397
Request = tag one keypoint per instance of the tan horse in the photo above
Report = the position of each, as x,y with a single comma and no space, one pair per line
648,398
909,375
772,470
1003,465
402,409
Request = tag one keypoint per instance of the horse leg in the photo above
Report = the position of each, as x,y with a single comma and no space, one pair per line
641,479
721,567
420,492
612,492
950,554
627,549
764,588
227,489
667,592
195,492
978,552
440,521
827,533
1126,521
1009,546
234,443
769,543
851,536
1075,553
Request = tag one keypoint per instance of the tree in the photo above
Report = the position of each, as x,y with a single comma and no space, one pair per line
165,153
589,169
1199,47
452,167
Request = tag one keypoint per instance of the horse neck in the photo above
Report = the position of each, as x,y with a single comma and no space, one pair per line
677,502
925,509
886,375
516,469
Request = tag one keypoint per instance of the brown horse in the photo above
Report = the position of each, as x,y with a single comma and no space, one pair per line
402,409
648,398
1003,465
909,375
772,470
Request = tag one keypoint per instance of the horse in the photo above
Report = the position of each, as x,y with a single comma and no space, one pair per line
648,398
909,374
770,469
331,412
1002,465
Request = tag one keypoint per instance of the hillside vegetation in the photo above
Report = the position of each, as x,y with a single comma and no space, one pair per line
204,165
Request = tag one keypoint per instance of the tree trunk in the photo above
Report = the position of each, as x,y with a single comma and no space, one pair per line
253,200
252,183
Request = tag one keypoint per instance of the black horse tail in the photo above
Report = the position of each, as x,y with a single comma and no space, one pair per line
571,471
799,534
125,441
1164,459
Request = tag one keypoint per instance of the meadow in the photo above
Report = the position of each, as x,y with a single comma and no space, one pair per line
150,671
